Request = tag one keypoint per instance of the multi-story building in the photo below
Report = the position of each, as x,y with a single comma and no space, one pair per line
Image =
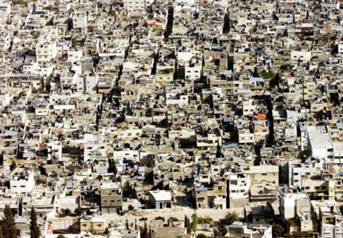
111,197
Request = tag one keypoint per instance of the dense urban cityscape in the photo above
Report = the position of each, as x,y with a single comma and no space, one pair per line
171,118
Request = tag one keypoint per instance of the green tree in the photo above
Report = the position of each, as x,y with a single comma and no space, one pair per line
149,178
1,233
275,81
34,229
226,26
66,212
145,231
188,225
112,167
205,220
13,165
78,212
8,224
129,191
195,221
127,224
219,229
201,235
230,218
302,234
278,230
136,226
148,161
255,73
219,151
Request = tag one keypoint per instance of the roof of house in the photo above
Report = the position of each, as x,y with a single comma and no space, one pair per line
161,195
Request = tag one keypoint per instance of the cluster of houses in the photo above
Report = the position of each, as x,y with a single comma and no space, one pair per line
179,118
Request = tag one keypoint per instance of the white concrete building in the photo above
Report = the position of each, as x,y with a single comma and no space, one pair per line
246,137
22,182
288,201
297,172
46,51
94,147
5,9
302,56
319,143
177,99
137,5
238,189
160,199
340,48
